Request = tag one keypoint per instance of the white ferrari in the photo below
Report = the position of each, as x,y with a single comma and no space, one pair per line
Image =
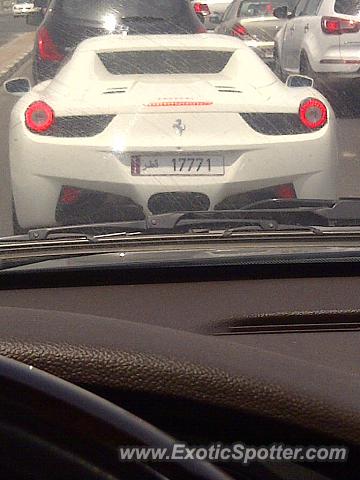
164,123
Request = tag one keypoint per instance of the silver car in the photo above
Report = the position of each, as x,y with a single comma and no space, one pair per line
21,8
254,23
208,9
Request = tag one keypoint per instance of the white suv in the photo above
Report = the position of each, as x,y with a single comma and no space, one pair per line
321,39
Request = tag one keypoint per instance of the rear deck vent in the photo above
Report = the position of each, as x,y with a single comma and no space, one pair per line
165,61
115,90
227,89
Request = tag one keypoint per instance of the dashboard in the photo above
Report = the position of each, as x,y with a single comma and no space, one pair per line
227,355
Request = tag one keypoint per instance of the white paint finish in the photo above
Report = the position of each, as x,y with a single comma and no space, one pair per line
40,165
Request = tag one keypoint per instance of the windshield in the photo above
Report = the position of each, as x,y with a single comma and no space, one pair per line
97,10
222,118
347,7
258,9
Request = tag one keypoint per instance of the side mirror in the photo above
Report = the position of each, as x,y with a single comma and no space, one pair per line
17,86
215,19
282,12
35,18
299,81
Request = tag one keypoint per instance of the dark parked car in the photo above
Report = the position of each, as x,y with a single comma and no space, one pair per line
68,22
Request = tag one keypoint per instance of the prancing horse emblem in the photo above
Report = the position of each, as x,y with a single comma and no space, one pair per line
179,127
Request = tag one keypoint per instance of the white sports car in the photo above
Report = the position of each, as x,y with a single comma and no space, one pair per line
165,123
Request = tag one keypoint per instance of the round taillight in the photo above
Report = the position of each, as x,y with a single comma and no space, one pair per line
313,113
39,117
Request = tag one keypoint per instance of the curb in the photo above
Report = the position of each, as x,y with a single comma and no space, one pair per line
6,74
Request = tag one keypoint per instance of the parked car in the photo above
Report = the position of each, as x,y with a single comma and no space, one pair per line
320,39
253,22
40,7
68,22
22,8
202,10
207,9
139,118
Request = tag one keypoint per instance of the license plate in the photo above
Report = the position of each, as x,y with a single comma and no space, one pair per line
268,53
186,165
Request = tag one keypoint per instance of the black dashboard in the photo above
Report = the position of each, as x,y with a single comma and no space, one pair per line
201,347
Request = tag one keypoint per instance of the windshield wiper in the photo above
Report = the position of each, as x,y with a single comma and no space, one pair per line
266,216
182,222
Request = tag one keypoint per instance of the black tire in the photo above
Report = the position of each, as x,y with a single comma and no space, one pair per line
324,88
305,69
277,66
201,17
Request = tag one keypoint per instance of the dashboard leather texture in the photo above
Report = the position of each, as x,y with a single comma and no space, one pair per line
98,351
193,306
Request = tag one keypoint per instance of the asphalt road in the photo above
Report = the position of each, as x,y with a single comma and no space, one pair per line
348,110
10,27
6,104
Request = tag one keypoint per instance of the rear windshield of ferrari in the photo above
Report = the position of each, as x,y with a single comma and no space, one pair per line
348,7
165,62
99,10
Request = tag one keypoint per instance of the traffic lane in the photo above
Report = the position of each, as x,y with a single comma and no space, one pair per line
6,104
348,174
11,27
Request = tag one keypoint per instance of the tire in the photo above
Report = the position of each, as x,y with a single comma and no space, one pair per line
201,17
277,67
305,69
325,89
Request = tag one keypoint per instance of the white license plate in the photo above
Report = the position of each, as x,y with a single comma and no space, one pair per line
268,53
190,165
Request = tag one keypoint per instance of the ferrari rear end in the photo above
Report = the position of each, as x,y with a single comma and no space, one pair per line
218,138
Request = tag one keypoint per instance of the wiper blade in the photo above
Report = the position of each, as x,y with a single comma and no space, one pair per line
267,216
227,221
278,227
180,222
342,212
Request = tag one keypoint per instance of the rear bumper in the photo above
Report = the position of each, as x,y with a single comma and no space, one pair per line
343,61
41,166
339,79
337,68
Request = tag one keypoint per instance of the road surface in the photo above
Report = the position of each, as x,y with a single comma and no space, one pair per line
348,133
11,27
